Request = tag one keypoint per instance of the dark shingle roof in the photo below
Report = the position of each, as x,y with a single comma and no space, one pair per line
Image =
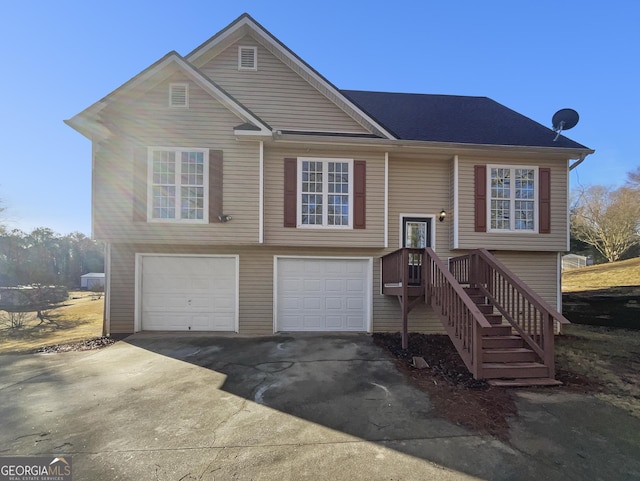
452,118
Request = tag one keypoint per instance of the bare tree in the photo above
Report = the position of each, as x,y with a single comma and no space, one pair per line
633,179
607,219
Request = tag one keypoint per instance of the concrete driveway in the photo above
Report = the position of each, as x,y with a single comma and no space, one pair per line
185,407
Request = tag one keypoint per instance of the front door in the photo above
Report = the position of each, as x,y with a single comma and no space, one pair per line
416,233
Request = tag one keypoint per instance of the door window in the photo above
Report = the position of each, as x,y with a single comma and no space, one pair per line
416,233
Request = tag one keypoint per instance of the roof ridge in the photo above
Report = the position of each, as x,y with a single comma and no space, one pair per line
416,93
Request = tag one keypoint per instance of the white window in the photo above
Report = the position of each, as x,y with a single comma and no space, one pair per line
513,202
325,192
179,95
247,58
177,181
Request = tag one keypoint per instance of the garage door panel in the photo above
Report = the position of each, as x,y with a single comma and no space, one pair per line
334,322
355,268
355,285
290,303
355,303
313,323
188,293
353,322
311,303
333,285
333,303
322,294
311,285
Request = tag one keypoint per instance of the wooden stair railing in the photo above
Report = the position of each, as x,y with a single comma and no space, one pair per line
525,311
402,276
460,316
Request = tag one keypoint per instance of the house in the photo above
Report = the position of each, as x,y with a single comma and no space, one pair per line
92,280
237,189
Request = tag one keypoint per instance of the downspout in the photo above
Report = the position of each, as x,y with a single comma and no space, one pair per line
261,196
578,162
386,200
106,313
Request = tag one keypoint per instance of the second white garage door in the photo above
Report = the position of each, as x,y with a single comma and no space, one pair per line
323,294
188,293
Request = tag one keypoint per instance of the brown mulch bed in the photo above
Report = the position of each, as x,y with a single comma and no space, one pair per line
455,395
86,345
458,397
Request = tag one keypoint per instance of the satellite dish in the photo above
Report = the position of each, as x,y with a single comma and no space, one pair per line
564,119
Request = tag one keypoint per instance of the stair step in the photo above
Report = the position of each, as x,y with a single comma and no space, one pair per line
534,381
496,330
494,318
472,291
514,354
485,308
478,299
500,342
514,370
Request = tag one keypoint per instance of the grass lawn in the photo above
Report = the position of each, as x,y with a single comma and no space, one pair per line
78,319
602,276
602,360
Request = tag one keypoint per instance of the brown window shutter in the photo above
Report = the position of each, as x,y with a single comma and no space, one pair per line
359,193
290,192
481,198
215,185
140,184
544,200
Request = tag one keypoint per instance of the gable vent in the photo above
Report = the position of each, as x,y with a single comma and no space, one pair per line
247,58
179,95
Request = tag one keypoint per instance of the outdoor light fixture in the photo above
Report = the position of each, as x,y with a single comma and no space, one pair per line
224,218
443,214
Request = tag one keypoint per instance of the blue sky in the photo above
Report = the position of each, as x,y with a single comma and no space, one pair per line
534,57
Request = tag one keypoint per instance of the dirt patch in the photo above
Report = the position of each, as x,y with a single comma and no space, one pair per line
86,345
454,393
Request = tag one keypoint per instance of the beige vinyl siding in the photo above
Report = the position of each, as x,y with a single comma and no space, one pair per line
148,121
276,234
122,291
539,270
418,185
256,286
277,94
555,241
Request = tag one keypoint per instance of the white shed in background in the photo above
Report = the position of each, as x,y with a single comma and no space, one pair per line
574,261
92,280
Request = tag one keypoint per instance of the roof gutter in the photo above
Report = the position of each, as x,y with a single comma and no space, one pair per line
445,147
579,161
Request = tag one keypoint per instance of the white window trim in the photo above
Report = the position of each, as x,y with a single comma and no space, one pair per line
536,202
186,95
325,194
205,185
255,57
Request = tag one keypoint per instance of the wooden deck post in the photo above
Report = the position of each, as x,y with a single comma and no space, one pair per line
404,300
549,344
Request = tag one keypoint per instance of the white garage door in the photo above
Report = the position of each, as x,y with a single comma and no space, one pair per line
188,293
322,294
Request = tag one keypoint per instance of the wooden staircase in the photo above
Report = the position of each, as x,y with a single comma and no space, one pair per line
506,359
503,331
